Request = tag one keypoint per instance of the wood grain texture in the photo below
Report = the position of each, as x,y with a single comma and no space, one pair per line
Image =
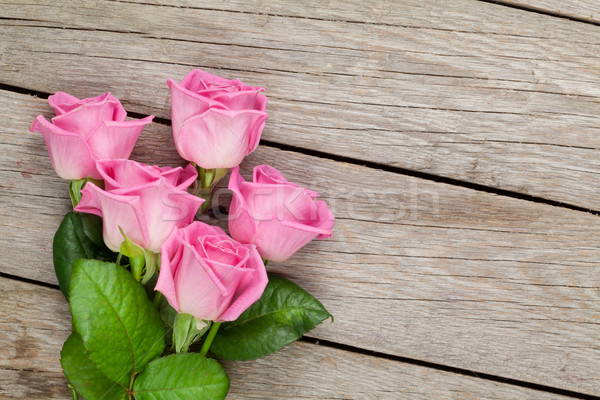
416,268
35,321
588,10
464,89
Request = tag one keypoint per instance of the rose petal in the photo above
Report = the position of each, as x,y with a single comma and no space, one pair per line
165,207
241,225
284,202
185,104
277,242
249,290
219,138
206,287
171,254
126,174
117,212
85,118
266,174
223,251
244,100
200,290
63,102
326,219
187,177
198,80
116,139
70,155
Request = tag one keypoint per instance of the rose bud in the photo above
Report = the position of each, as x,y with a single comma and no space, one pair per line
278,216
85,131
216,121
146,202
207,274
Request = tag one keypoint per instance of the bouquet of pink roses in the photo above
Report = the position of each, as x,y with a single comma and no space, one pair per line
151,291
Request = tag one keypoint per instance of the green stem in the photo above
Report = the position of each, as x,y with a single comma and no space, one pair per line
207,180
209,338
119,258
204,193
158,296
266,262
73,392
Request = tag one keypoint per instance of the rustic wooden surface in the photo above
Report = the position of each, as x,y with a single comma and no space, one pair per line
467,90
30,368
587,10
440,277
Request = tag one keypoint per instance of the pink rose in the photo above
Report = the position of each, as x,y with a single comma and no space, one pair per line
278,216
147,202
85,131
207,274
216,122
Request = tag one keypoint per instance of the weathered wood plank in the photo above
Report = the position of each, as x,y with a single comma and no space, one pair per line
376,12
588,10
416,268
35,321
466,89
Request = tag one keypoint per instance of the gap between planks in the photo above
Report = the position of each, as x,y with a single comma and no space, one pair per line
375,375
486,78
572,11
355,161
479,282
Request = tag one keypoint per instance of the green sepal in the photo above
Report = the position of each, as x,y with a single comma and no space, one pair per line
182,376
75,186
78,236
208,178
84,375
187,329
151,259
282,315
120,328
137,266
128,248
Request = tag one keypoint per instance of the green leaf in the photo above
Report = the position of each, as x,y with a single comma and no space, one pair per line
282,315
84,375
121,329
182,376
92,228
168,315
167,312
79,236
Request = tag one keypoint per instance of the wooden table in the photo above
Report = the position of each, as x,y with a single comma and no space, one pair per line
456,143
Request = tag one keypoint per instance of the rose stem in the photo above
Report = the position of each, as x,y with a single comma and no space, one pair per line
157,299
209,338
